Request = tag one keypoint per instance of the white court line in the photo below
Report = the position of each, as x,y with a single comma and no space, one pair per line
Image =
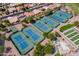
74,36
76,40
68,30
71,33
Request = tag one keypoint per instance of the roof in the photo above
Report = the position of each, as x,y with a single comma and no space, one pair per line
12,19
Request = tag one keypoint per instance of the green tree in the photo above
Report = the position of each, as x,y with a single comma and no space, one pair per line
48,49
43,50
51,36
30,19
24,20
39,50
45,34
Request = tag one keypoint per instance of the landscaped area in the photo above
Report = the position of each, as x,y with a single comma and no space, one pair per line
63,28
44,50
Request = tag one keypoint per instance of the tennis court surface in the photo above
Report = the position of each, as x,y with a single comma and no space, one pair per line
73,35
33,35
21,42
46,24
50,22
61,16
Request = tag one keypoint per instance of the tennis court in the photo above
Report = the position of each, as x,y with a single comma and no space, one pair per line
65,14
50,22
46,24
61,16
21,42
42,26
33,35
73,35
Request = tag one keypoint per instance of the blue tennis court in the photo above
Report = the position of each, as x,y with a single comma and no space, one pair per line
50,22
58,18
42,26
21,42
33,34
65,14
61,16
46,24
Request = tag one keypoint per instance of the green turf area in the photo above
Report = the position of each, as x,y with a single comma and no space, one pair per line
77,42
1,49
74,6
66,27
70,35
68,32
74,38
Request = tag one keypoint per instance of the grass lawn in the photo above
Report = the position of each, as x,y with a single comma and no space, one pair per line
1,49
63,28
